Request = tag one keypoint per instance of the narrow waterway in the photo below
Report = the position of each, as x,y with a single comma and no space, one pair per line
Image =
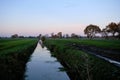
44,67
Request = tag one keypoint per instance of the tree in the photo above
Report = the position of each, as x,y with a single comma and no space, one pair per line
112,28
21,36
59,34
91,30
43,38
52,35
67,35
14,36
118,30
104,33
73,35
39,37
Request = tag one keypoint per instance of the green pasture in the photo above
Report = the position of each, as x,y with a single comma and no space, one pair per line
102,43
8,46
81,65
14,54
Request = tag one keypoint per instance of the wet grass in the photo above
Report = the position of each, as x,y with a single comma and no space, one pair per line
14,54
80,65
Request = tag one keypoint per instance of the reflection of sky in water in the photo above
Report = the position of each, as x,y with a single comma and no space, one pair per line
44,67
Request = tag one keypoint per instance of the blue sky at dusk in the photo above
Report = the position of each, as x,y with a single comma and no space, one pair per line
32,17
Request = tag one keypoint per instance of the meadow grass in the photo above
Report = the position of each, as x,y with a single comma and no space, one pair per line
102,43
81,65
14,54
8,46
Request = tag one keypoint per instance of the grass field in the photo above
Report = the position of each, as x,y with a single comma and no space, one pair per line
109,44
14,54
8,46
83,66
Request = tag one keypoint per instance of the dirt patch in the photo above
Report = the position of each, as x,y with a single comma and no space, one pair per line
109,53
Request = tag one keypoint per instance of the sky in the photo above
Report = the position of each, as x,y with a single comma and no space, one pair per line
34,17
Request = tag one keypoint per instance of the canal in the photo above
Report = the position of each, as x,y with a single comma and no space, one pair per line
42,66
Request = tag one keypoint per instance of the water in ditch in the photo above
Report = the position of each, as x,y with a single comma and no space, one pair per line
42,66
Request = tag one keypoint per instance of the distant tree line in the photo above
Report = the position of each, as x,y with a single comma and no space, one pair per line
60,35
112,28
17,36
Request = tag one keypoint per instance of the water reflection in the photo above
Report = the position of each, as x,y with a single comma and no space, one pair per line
44,67
41,66
41,43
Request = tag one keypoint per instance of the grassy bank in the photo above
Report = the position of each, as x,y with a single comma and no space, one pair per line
109,44
80,65
14,53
